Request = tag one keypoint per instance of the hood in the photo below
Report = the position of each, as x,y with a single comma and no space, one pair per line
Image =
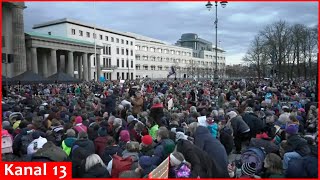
201,130
134,155
159,105
82,143
69,141
98,171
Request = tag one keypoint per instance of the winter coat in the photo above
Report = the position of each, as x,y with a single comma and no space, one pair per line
50,152
137,105
100,145
97,171
109,152
227,141
239,126
204,140
67,144
153,131
298,144
110,104
268,145
156,112
255,124
133,155
305,167
213,129
162,150
85,144
201,163
147,150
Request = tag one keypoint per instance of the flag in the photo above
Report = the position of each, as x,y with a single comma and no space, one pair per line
171,71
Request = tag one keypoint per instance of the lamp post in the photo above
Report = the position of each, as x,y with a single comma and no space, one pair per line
209,6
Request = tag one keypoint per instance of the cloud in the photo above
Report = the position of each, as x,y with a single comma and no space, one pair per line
238,23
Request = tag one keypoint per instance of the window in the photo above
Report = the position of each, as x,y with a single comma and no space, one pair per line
104,50
131,43
118,63
160,50
127,42
137,67
127,62
160,68
109,50
73,31
131,63
178,53
172,51
145,48
131,52
122,41
94,61
80,33
118,74
117,40
107,38
122,51
137,57
145,67
118,50
100,37
88,34
122,63
152,49
166,51
122,76
112,39
137,47
131,75
127,52
153,68
49,33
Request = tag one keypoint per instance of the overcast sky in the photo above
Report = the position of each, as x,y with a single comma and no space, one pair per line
238,22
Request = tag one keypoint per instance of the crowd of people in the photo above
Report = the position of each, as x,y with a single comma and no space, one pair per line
127,129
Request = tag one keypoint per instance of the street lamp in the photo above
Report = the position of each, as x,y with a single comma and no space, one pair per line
209,6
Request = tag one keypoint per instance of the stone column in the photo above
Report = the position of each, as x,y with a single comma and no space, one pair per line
53,65
34,62
76,66
70,69
98,66
19,48
29,59
80,67
85,66
44,64
89,69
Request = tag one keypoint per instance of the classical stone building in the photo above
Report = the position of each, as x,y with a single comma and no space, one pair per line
13,39
48,54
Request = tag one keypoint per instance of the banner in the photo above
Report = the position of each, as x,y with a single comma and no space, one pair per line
162,171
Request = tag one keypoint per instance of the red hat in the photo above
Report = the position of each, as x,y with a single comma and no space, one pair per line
147,140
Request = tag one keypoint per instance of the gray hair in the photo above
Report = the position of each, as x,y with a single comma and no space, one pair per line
193,109
93,160
156,101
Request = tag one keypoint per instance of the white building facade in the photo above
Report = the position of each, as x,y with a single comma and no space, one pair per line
117,55
130,56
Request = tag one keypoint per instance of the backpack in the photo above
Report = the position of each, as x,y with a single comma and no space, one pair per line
25,141
6,142
255,155
120,164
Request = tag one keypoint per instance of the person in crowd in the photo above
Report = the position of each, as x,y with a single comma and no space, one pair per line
101,141
273,165
95,168
180,167
147,146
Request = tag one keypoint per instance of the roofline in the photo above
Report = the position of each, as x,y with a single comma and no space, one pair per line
66,20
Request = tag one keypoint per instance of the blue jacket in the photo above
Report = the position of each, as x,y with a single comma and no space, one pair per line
213,129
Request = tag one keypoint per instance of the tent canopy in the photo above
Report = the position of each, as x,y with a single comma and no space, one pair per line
61,77
28,77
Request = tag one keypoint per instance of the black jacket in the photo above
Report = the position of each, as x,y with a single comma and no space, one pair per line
227,141
86,144
201,163
97,171
204,140
255,124
109,151
298,144
110,103
238,125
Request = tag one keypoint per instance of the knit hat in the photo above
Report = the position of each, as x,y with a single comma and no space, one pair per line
130,118
145,162
292,129
125,136
78,120
147,140
248,169
71,133
5,124
102,132
82,135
